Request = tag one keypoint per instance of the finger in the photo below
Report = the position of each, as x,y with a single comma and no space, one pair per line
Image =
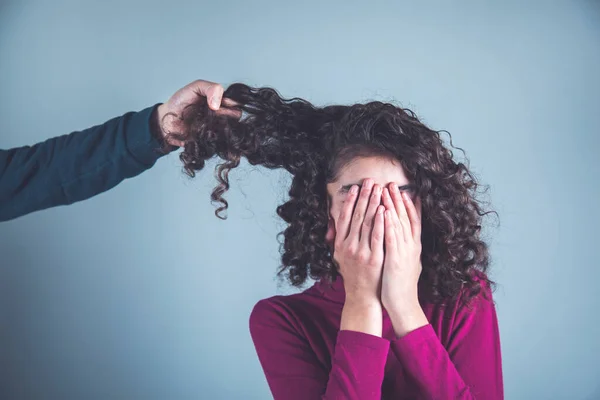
174,142
359,212
226,101
237,114
377,235
401,212
343,225
367,226
413,215
214,96
391,237
390,206
201,87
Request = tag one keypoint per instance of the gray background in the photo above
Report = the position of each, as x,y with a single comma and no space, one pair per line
142,293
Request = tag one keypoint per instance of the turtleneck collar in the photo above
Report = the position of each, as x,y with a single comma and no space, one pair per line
333,291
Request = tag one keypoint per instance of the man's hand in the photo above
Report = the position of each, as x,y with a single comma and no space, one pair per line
168,114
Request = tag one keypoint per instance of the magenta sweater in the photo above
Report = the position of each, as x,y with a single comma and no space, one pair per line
305,356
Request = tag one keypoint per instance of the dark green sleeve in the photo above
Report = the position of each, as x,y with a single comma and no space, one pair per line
77,166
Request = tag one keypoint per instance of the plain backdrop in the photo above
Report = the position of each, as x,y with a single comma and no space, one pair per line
142,293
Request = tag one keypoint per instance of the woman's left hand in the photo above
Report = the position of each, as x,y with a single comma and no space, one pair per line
402,264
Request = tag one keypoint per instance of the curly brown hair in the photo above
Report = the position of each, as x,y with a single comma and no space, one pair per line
313,144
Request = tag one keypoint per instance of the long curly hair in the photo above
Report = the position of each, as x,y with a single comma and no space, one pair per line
313,144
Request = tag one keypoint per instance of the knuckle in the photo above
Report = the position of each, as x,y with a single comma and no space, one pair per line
203,85
352,250
376,260
363,257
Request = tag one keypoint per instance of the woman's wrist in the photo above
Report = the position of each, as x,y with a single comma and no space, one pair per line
362,315
407,319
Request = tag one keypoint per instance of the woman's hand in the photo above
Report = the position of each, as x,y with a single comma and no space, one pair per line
402,264
191,93
358,251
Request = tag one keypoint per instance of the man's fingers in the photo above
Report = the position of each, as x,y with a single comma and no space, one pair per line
214,96
229,102
202,87
237,114
211,90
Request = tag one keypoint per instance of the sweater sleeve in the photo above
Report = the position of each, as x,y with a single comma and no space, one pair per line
293,370
77,166
469,367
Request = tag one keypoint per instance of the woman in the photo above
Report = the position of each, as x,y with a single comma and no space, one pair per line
402,306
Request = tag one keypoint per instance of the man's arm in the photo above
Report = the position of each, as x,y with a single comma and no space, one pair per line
77,166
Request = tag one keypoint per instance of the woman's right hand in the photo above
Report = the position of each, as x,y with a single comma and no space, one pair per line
358,251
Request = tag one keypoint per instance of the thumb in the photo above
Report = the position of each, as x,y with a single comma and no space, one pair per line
215,96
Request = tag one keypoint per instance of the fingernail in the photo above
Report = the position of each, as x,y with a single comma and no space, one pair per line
216,102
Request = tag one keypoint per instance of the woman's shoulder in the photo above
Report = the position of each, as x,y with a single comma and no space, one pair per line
472,310
282,309
480,290
471,297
